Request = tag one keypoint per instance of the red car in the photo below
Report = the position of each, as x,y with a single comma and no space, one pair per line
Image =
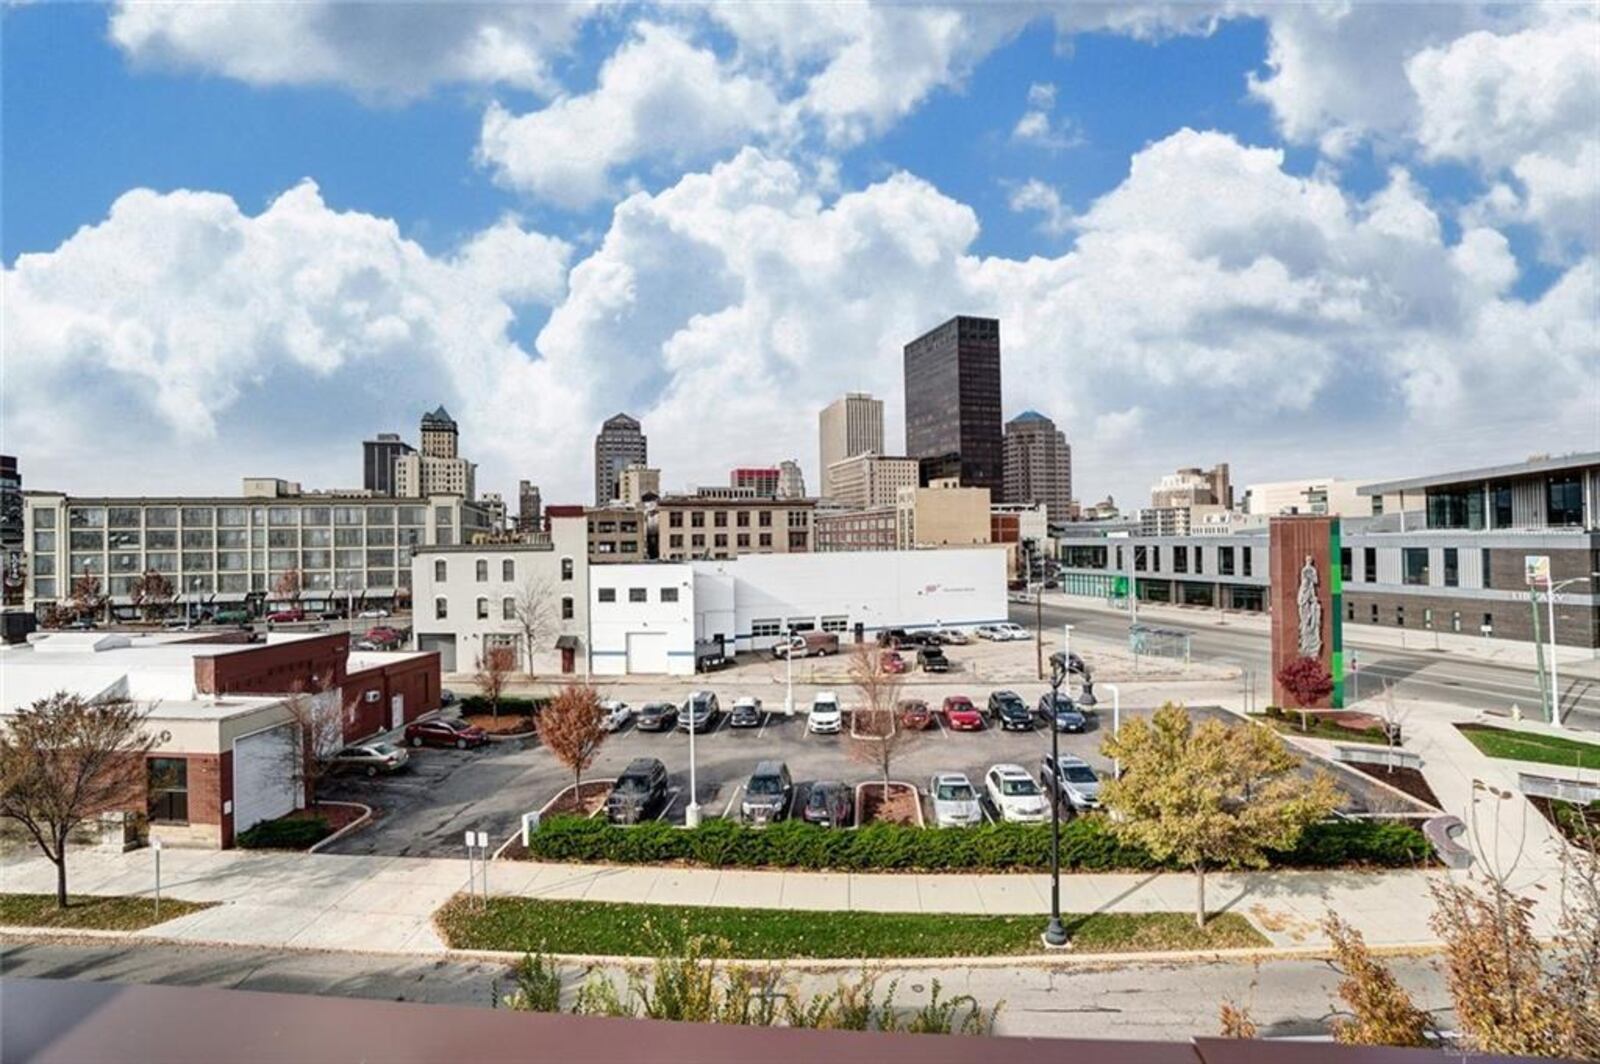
961,715
383,634
915,714
442,732
893,662
286,616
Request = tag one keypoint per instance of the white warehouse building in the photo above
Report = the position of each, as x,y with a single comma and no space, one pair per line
646,618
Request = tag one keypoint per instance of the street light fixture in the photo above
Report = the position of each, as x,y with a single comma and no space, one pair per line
1555,670
691,812
1055,934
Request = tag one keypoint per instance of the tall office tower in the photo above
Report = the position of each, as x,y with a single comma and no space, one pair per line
952,382
377,461
529,507
849,426
791,481
10,502
619,445
1038,465
763,480
439,435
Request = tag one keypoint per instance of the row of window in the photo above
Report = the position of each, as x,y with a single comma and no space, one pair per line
1231,561
1374,617
133,517
771,627
741,518
720,539
1475,507
480,570
638,594
508,608
1415,566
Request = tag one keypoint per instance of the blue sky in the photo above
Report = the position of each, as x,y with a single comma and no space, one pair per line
1306,227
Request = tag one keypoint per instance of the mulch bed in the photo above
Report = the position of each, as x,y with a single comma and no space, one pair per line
1568,824
506,724
591,798
337,816
1409,780
900,807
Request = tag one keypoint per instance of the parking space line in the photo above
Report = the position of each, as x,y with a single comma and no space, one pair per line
673,794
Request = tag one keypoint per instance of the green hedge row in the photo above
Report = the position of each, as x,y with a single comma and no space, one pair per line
294,834
510,705
1087,844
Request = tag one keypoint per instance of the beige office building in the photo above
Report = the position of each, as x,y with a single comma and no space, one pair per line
870,480
943,514
848,426
702,526
616,534
636,482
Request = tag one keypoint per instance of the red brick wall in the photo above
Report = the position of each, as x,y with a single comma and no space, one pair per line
275,668
417,679
1292,539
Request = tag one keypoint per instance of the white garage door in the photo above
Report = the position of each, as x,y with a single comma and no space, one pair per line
263,781
647,652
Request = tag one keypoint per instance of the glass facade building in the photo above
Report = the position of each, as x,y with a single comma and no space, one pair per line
952,387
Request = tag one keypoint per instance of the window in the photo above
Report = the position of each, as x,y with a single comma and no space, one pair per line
764,519
1224,560
1350,611
720,539
566,607
1180,559
508,609
675,519
1500,512
765,540
1414,562
802,624
1199,559
742,519
697,519
441,608
1119,558
765,628
835,624
481,571
508,570
566,568
169,789
697,540
1374,613
1346,564
1565,501
1452,567
675,540
43,518
797,541
638,594
1155,558
607,594
669,594
439,573
1484,561
744,539
719,519
483,609
1141,558
1369,564
1247,554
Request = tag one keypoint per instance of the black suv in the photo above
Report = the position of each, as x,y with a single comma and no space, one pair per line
932,659
767,793
830,804
639,793
1007,709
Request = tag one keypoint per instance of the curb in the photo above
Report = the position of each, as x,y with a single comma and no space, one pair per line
360,821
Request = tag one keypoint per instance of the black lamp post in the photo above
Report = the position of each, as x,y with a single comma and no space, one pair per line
1054,933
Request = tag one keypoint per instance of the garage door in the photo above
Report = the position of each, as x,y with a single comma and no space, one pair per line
263,778
446,647
647,652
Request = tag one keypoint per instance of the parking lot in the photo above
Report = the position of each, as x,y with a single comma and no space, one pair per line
425,808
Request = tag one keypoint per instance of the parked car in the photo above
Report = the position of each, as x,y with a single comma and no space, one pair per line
893,662
1007,709
955,803
932,659
700,712
1076,782
892,637
808,645
441,731
657,716
373,613
991,632
617,714
365,644
1014,794
961,715
233,617
711,654
1064,714
915,714
1009,631
825,718
920,637
952,636
287,616
830,804
177,624
371,758
639,793
333,613
766,793
384,635
746,712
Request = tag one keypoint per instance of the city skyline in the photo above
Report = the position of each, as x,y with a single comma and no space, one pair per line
1351,236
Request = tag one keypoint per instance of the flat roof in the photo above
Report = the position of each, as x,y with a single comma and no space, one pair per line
1530,467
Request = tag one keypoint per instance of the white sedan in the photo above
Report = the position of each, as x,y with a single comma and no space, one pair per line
1007,631
955,802
375,613
1015,795
617,714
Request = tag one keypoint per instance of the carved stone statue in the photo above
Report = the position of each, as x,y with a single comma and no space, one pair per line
1310,611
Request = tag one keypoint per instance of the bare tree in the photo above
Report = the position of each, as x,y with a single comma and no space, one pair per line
876,736
534,609
572,727
66,758
1394,719
317,717
492,672
152,594
88,597
287,587
1381,1012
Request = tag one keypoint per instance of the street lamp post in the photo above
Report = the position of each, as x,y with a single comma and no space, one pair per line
1055,934
788,671
1555,669
691,813
1116,724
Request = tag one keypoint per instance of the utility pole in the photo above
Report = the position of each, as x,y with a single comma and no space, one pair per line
1038,629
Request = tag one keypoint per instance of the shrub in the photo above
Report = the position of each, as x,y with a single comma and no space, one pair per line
513,705
1087,844
297,833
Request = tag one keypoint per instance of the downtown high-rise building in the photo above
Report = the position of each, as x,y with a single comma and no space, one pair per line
621,443
530,507
846,427
791,480
437,468
378,458
1038,465
952,388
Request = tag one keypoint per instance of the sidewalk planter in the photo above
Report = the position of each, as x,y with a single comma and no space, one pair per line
1087,845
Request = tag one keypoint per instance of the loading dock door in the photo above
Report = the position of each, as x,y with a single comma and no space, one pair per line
263,777
647,652
445,645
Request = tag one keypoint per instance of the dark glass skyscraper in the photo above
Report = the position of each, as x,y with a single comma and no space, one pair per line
952,377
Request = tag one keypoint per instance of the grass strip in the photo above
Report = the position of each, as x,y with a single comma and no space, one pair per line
1528,746
534,925
92,913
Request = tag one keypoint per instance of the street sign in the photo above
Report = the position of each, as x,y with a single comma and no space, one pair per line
1536,570
471,839
483,839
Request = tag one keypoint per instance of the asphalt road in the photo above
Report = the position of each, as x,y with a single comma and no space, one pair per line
1420,673
1139,1001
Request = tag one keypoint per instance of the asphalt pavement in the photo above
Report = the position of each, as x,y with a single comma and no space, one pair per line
1172,1001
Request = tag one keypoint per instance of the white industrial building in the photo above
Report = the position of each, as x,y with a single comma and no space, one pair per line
642,618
